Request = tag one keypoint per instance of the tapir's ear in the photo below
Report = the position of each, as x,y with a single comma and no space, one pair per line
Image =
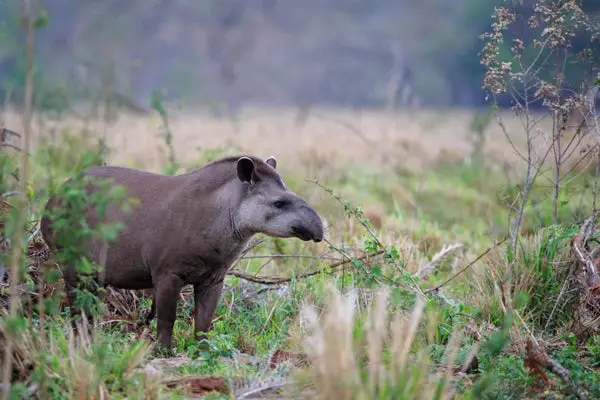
245,169
272,162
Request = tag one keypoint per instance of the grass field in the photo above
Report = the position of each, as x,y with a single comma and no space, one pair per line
366,330
411,139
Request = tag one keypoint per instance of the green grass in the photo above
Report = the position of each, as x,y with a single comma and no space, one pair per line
421,212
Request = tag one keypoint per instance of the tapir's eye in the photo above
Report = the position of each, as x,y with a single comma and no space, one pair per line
279,204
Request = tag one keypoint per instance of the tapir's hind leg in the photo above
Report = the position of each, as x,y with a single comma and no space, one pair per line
166,293
72,284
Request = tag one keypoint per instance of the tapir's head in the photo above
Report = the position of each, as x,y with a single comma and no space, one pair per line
268,207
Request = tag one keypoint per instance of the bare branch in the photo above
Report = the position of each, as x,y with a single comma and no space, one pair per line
438,287
5,132
536,355
514,147
8,194
254,393
10,146
289,256
277,280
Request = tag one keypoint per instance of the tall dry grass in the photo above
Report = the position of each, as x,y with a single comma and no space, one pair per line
338,138
384,355
79,366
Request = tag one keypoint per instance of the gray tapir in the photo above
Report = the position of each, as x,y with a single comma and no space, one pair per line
189,229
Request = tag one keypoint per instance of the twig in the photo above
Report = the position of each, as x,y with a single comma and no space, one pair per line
9,132
276,280
288,256
360,221
12,146
251,247
438,287
254,392
8,194
357,132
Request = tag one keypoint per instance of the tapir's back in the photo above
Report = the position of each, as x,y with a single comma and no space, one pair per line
153,194
140,221
144,223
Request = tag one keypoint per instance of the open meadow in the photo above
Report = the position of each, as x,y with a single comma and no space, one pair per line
408,297
441,240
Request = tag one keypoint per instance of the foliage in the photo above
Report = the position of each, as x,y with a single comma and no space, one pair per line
71,232
75,61
388,311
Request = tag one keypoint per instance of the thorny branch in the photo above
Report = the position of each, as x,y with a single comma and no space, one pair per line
368,229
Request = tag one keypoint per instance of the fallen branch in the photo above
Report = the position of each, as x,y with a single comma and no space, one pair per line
438,287
277,280
537,357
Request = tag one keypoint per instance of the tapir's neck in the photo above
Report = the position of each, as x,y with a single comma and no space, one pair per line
213,220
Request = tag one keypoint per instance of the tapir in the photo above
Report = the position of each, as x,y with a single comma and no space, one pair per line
186,229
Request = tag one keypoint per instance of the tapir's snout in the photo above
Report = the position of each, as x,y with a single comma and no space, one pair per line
318,234
311,226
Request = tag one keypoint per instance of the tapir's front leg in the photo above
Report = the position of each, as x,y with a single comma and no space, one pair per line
205,303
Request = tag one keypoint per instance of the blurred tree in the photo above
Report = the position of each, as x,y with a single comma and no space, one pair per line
319,52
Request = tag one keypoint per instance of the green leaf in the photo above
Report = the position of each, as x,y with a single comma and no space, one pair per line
376,271
392,254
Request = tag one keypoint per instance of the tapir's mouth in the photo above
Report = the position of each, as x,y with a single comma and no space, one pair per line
304,234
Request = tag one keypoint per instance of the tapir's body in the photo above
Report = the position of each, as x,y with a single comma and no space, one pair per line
189,229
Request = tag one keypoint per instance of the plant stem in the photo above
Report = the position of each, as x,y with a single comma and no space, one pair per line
21,209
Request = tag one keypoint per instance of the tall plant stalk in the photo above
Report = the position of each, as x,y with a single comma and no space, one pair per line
17,242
